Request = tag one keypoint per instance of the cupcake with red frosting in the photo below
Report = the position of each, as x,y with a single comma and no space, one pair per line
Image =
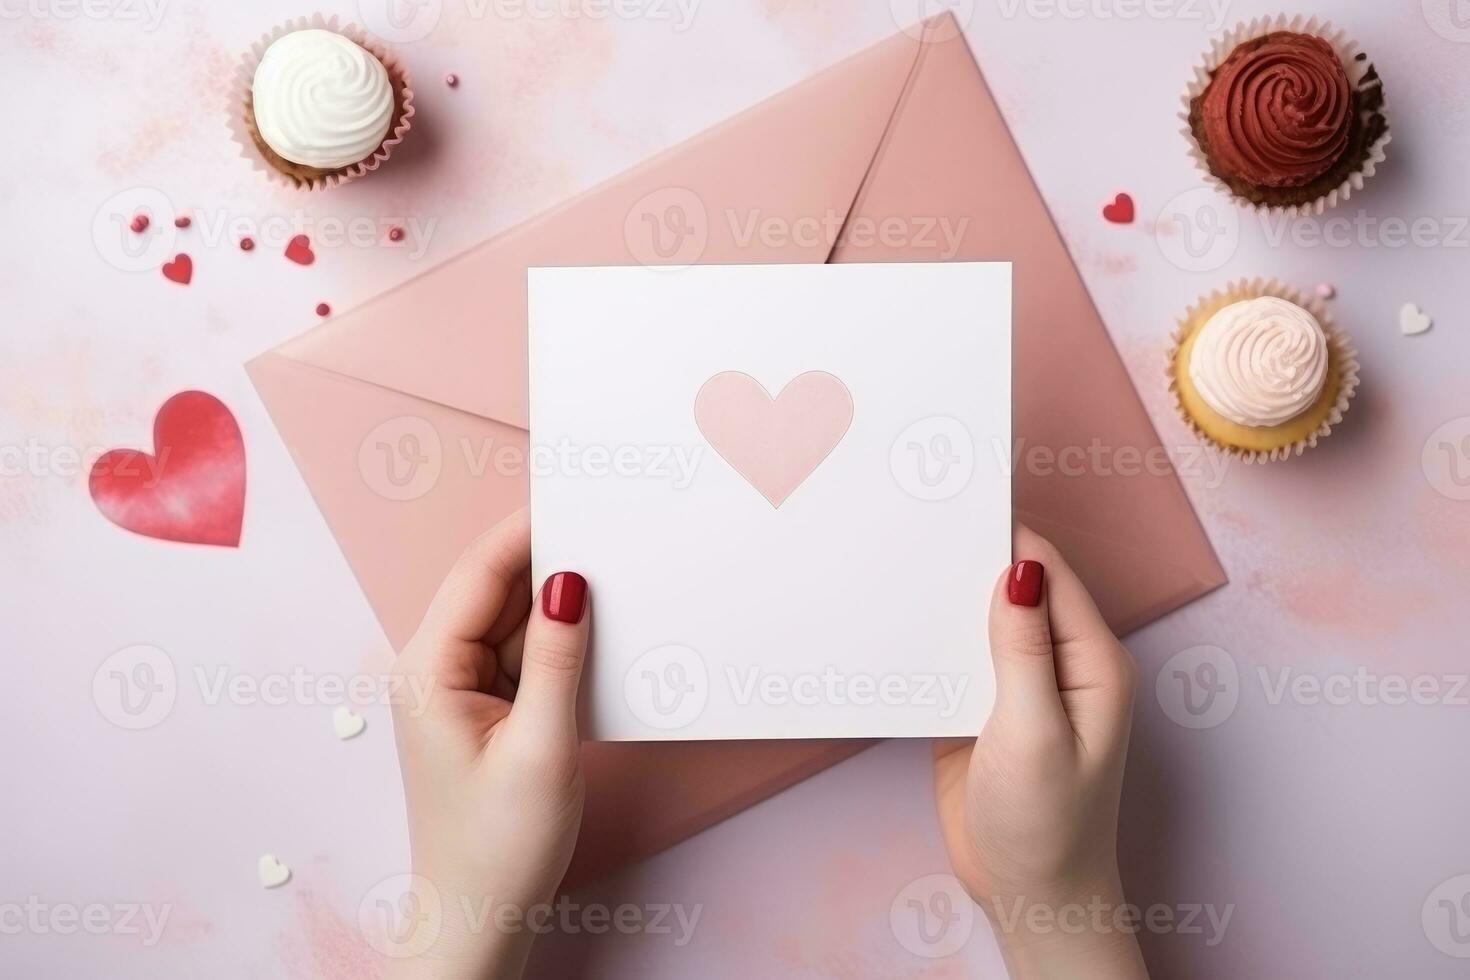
1286,114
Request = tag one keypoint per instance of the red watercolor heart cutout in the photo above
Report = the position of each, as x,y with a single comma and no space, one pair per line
191,489
1120,212
180,270
298,250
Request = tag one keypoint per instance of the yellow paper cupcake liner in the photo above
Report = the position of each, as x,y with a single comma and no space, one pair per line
1344,358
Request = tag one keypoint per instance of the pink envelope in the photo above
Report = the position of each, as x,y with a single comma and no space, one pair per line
433,374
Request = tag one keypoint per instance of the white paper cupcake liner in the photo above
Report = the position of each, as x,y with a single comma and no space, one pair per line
1343,355
241,122
1347,52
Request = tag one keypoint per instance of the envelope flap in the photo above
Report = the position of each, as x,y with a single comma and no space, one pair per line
457,334
1088,469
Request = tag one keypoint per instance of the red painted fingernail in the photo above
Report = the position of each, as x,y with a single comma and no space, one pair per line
1023,585
564,597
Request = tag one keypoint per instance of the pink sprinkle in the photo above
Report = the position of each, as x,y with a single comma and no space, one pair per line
182,221
139,222
1326,290
247,243
395,234
322,309
451,79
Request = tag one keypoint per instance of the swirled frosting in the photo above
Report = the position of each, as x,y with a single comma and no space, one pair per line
1279,111
321,100
1260,362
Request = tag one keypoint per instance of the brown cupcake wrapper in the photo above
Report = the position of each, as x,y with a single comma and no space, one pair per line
1357,70
242,119
1341,345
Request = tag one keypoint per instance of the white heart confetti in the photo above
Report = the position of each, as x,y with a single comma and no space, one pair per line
346,723
1413,320
273,874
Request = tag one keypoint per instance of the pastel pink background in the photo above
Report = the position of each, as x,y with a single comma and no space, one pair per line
1324,826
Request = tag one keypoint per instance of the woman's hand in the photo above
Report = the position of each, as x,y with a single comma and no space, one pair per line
1030,809
490,758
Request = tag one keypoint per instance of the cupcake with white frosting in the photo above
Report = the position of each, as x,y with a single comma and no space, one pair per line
1260,370
322,104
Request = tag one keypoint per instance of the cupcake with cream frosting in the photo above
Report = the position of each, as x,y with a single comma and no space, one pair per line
1260,371
322,104
1286,114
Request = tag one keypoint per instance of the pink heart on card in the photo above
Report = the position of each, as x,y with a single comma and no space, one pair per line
774,443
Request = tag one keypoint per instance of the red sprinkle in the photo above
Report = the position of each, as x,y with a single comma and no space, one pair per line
395,234
322,309
451,79
247,243
182,221
139,222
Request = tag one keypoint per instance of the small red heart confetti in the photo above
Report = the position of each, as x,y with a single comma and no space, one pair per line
191,488
395,234
247,243
451,79
183,221
322,309
139,223
180,270
1120,211
298,250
